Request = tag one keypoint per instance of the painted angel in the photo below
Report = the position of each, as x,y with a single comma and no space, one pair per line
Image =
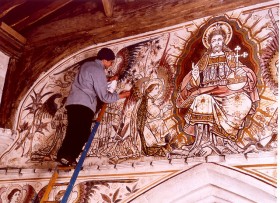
150,110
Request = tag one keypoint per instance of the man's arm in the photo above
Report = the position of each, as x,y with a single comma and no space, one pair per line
100,86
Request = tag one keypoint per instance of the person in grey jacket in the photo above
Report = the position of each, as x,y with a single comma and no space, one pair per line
89,86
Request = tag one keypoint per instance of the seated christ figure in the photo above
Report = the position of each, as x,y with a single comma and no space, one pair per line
219,92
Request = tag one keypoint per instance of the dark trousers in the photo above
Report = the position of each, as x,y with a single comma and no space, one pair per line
77,132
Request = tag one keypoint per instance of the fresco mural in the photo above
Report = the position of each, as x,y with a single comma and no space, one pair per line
208,87
218,94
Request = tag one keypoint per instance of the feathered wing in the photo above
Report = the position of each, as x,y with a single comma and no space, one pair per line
137,91
48,110
128,56
165,73
130,104
40,111
30,194
49,107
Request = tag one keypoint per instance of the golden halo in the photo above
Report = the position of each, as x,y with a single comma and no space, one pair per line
220,24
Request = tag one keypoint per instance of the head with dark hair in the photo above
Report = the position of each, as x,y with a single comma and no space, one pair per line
106,54
14,195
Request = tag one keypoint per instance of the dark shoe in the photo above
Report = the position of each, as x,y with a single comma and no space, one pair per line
74,163
67,162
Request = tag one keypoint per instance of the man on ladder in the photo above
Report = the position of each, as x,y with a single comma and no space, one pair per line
90,84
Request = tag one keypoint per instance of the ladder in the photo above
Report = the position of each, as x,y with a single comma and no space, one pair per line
78,167
52,183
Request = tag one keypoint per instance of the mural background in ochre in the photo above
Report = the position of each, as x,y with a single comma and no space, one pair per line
151,124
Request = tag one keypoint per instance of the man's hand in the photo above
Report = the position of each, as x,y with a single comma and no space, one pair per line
124,94
195,71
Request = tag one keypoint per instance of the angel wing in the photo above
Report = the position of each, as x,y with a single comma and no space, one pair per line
137,90
46,111
40,110
30,193
128,56
165,73
129,104
49,107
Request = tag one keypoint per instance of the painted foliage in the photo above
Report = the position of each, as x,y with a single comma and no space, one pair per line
109,190
208,87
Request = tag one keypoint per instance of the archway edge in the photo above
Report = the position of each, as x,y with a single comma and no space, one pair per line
209,181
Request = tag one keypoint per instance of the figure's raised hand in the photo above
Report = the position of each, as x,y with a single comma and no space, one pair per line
195,71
